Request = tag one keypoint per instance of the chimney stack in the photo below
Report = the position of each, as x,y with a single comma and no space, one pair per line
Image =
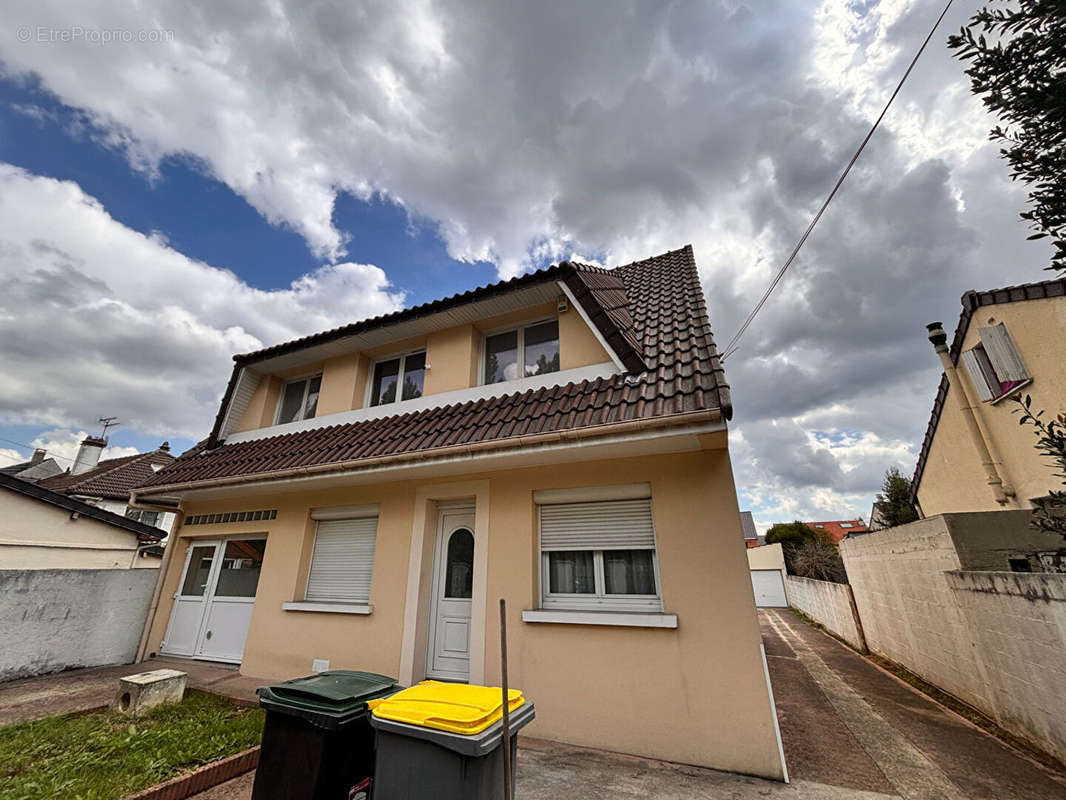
88,454
38,456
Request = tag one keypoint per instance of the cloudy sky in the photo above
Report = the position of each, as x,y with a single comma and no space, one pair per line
182,181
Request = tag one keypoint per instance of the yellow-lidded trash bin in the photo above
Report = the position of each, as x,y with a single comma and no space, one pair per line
442,741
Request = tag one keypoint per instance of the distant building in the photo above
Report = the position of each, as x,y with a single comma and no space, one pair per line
106,484
43,529
877,517
37,468
839,528
751,536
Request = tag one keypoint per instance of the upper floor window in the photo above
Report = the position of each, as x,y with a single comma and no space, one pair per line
299,399
407,371
994,366
520,353
141,515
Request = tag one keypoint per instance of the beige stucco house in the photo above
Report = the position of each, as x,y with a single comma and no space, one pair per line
44,529
368,494
975,456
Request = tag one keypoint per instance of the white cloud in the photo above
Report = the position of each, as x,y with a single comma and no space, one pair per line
530,131
97,319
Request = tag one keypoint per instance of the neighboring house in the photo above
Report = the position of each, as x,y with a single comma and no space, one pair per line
837,529
107,484
877,518
767,567
368,495
1007,340
751,536
37,468
42,529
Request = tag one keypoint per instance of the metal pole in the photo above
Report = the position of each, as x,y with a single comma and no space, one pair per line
506,710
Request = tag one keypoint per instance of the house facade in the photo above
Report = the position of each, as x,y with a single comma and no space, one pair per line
43,529
1007,341
837,529
559,440
106,483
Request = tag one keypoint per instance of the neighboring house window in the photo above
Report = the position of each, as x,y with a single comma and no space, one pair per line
342,562
408,371
994,366
299,399
846,525
523,352
599,556
141,515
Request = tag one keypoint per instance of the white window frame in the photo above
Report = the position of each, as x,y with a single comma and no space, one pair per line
303,401
600,600
403,356
521,329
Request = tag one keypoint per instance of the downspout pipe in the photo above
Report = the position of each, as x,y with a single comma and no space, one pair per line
1001,490
164,565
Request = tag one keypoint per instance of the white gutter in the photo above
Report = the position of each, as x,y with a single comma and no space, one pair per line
168,552
704,421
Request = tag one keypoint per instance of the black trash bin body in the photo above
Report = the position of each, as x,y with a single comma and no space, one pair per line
317,741
418,763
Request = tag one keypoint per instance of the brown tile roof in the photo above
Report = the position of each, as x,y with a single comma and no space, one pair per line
655,306
112,477
971,301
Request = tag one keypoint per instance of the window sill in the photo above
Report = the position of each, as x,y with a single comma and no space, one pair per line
629,619
1010,392
330,608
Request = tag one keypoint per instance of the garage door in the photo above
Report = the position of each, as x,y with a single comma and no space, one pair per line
769,588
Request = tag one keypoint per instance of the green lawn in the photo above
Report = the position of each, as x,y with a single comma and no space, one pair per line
103,755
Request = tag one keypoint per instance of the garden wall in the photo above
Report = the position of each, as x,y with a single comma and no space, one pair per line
56,619
933,596
828,604
1017,621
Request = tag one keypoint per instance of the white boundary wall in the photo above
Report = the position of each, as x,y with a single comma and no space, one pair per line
56,619
1017,623
934,596
828,604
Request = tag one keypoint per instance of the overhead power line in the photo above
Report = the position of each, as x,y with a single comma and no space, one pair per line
734,342
31,448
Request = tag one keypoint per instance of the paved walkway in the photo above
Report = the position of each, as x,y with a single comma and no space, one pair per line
850,731
82,689
846,723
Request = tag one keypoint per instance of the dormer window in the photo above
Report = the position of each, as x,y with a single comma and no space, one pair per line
407,371
299,399
522,352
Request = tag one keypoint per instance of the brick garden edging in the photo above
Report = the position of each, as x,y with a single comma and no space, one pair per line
201,779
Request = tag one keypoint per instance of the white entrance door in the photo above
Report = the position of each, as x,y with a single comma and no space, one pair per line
213,605
769,588
453,585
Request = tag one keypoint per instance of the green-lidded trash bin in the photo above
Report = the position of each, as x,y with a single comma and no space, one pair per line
317,740
441,741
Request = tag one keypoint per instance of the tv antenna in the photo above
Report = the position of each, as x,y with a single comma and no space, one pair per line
108,423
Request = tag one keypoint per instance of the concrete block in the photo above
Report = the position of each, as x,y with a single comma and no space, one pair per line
145,690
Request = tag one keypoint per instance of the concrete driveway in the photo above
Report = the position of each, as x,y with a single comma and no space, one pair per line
846,723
